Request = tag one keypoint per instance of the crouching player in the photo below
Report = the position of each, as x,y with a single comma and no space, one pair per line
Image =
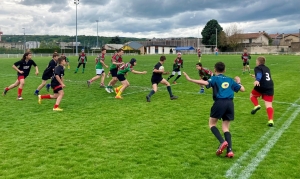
57,85
204,74
128,67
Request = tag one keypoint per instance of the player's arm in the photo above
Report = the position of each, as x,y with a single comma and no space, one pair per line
36,68
102,62
201,82
18,63
138,72
114,61
238,86
258,76
96,60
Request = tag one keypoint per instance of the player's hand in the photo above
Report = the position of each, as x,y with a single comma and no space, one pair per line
253,76
144,72
256,83
21,72
106,66
36,73
237,79
186,75
63,85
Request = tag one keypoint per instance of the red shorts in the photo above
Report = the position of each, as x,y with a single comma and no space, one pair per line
268,98
21,77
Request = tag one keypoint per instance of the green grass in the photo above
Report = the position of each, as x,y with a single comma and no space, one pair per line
97,136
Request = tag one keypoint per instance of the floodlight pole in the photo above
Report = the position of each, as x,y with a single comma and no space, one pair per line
97,32
24,40
216,38
76,2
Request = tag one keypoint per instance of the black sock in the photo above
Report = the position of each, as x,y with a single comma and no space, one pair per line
177,77
170,77
151,93
170,91
216,132
227,136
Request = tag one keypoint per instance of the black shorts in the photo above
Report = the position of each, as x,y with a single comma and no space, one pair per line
56,88
245,63
46,77
114,72
156,80
266,91
223,109
121,77
199,55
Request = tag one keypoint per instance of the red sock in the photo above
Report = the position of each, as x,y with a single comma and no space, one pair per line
47,96
254,100
55,106
6,88
20,91
270,112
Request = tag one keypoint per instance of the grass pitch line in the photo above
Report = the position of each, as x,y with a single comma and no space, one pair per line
232,172
251,167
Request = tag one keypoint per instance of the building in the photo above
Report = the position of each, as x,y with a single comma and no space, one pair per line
32,44
12,45
134,46
254,39
113,46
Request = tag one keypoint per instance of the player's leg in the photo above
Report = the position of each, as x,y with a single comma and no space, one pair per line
60,95
244,67
102,85
178,76
165,82
79,64
68,64
114,73
173,74
46,96
270,110
253,97
153,91
124,85
15,84
98,75
248,67
40,87
227,117
20,89
83,67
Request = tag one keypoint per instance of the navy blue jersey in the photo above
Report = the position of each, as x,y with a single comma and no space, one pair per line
223,87
50,68
59,70
266,85
24,66
157,75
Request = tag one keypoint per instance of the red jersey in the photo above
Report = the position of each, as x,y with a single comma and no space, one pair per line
178,63
245,57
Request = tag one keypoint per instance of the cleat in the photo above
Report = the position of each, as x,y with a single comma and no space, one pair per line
102,85
173,97
4,92
271,123
111,90
19,98
201,91
48,87
107,90
116,90
230,154
221,148
88,83
174,82
255,109
148,98
118,97
40,99
57,109
35,93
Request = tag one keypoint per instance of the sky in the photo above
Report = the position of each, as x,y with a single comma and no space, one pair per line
146,18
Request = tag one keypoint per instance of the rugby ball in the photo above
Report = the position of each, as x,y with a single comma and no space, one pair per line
161,68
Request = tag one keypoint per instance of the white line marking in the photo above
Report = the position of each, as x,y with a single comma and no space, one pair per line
247,172
232,171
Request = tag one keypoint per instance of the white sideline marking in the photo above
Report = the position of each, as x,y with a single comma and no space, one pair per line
247,172
232,171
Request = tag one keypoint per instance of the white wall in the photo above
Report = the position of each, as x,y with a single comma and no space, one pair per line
152,50
167,50
160,50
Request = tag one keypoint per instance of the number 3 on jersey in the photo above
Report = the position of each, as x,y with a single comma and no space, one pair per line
268,77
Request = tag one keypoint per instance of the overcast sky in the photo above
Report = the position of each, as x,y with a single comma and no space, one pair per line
146,18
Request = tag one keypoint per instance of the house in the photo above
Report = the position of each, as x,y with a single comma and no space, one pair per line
287,39
134,46
275,39
113,46
254,39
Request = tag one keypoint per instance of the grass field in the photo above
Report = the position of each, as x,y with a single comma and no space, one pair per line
97,136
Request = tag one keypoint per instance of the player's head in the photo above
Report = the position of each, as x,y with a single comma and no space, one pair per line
55,51
61,61
55,56
63,54
162,59
103,50
26,56
260,60
120,52
220,67
199,66
245,50
179,54
133,62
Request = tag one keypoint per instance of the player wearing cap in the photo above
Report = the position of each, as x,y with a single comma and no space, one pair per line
178,63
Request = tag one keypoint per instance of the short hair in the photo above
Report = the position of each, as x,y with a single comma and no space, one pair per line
162,58
261,60
199,64
103,49
60,59
55,55
120,50
245,48
220,67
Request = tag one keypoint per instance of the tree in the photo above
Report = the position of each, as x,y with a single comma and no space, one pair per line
115,40
209,33
234,36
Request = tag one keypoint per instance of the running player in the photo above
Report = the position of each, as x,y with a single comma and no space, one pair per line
199,54
264,87
82,59
157,78
48,72
178,63
245,58
128,67
99,69
116,61
57,84
204,74
23,71
223,107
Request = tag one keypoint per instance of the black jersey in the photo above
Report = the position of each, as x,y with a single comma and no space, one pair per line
59,70
49,70
266,82
157,75
24,66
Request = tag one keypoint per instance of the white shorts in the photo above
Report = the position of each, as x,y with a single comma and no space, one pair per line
178,72
99,71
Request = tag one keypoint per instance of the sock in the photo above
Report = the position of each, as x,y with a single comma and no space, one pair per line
119,87
20,91
55,106
47,96
48,85
254,100
170,77
37,91
227,136
169,90
119,93
151,93
216,132
177,77
68,66
83,70
270,112
6,88
76,70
